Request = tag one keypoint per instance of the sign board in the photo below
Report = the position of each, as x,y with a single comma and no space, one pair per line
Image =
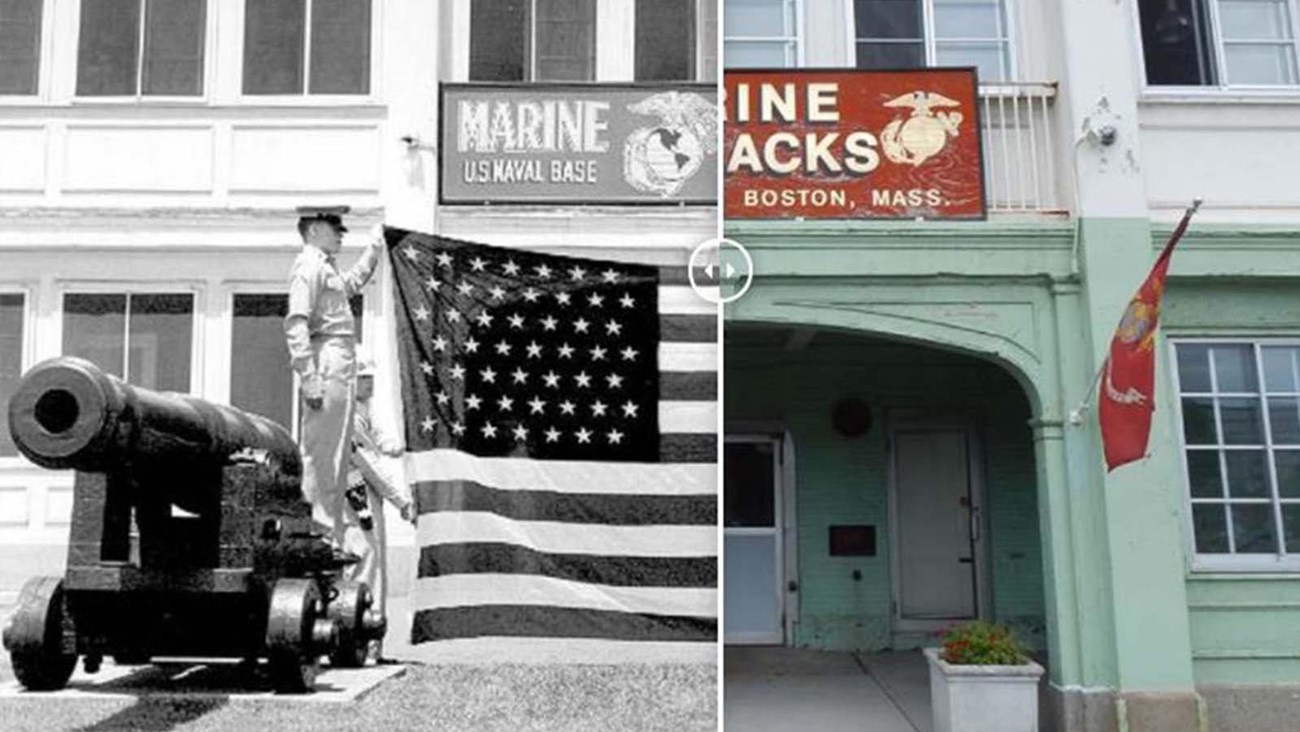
578,144
849,144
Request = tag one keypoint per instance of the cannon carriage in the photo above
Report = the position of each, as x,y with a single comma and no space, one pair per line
189,538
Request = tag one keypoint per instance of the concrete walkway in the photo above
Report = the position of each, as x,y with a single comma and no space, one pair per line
775,688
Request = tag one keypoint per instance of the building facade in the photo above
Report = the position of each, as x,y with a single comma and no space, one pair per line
154,153
904,444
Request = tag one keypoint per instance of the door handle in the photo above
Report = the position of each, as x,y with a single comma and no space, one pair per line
975,523
965,560
792,586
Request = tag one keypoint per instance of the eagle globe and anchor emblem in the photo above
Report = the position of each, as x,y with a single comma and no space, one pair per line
661,159
922,134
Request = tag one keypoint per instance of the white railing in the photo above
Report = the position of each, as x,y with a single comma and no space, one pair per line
1020,149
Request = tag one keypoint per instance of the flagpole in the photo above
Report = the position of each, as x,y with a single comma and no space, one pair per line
1078,413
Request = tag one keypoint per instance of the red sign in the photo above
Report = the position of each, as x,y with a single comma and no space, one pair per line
853,144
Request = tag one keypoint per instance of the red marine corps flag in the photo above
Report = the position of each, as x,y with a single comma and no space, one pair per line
1128,377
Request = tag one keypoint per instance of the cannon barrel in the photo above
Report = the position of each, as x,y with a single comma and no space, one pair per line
68,413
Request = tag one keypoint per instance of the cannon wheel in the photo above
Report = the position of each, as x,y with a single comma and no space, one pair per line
34,636
294,608
349,611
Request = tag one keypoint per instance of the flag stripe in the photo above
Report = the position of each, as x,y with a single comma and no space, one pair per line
490,558
699,448
674,275
688,385
531,620
562,476
456,590
554,536
599,508
688,417
684,301
688,356
688,328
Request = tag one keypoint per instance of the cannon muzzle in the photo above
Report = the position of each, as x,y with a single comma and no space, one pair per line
68,413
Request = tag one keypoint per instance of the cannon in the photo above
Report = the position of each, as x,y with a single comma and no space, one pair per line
189,538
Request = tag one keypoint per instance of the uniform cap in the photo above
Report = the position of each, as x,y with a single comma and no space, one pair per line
333,215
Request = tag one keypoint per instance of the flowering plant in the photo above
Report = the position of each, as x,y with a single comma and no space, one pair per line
981,643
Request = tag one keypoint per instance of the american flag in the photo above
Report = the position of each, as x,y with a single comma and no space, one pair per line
561,446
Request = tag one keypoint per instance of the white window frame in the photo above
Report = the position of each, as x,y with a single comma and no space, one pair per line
1278,562
207,73
128,287
305,98
929,40
794,43
25,359
1166,91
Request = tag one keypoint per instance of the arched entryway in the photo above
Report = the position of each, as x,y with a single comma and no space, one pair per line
876,490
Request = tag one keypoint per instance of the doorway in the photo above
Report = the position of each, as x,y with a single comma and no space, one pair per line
938,542
753,588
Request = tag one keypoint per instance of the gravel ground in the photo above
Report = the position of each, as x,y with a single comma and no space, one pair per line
503,697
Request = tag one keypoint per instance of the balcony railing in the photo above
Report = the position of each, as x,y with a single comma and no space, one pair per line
1020,149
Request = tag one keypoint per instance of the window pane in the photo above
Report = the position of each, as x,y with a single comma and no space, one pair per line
1247,473
1291,527
566,40
887,18
1210,528
340,47
1241,422
20,48
1198,421
1287,465
498,40
1254,19
273,46
749,489
1280,367
758,18
1203,474
1260,64
261,380
161,330
890,55
1193,367
665,40
968,19
1176,42
11,362
1253,528
706,38
173,47
755,54
1234,368
1284,420
94,328
109,47
989,57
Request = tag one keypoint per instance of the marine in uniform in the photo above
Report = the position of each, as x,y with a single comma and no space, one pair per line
371,483
321,335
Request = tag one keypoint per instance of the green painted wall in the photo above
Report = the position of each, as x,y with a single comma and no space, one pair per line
843,481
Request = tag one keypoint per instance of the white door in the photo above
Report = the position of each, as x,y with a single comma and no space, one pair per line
751,542
936,527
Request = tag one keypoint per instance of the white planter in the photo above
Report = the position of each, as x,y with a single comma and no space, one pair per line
983,698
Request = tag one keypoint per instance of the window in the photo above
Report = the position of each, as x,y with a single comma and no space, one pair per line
141,47
670,34
1240,407
261,380
307,46
1219,42
145,336
20,45
911,33
759,33
532,40
11,362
